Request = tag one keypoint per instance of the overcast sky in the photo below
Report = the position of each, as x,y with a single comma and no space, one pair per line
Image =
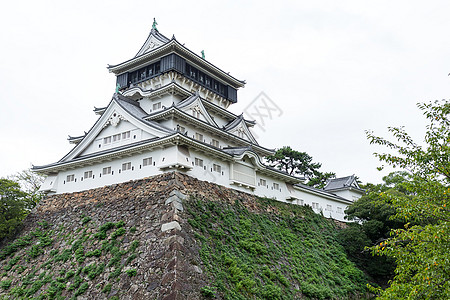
332,69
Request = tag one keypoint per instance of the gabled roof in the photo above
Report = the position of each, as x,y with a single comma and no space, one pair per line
348,182
195,102
154,40
242,124
131,112
173,46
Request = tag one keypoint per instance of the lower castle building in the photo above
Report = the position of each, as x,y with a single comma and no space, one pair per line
170,113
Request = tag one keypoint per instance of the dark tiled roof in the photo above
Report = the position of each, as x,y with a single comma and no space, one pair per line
236,150
341,183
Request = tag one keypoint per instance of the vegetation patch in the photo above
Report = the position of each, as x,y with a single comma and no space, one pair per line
72,269
289,254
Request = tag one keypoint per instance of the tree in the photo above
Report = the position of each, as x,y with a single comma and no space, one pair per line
30,182
421,248
373,226
15,204
299,163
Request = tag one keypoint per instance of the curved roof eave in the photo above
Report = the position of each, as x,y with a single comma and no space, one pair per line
173,46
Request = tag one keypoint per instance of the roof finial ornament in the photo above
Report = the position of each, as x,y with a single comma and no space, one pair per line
203,54
117,88
154,24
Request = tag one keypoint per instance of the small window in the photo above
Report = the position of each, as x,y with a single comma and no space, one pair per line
328,207
301,202
106,170
196,113
339,210
315,205
126,166
215,143
125,135
217,168
182,129
116,137
70,178
147,161
107,140
262,182
276,186
87,174
156,105
199,162
199,136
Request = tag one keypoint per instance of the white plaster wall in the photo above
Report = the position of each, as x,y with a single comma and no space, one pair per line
135,136
348,194
173,156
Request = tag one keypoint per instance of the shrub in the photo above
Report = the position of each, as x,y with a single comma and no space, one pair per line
208,292
131,272
5,284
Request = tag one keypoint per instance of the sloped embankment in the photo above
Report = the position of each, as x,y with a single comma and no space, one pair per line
146,240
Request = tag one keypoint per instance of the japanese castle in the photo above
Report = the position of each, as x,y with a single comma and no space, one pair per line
170,113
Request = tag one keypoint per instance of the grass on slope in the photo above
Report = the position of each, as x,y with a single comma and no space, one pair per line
33,268
281,252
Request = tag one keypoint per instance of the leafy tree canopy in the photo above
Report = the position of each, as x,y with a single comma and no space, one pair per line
299,163
373,226
421,248
14,206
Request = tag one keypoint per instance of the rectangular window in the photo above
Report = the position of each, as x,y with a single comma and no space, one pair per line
116,137
126,166
147,161
199,162
125,135
315,205
217,168
262,182
328,207
199,137
107,140
300,202
70,178
156,105
215,143
339,210
276,186
106,170
87,174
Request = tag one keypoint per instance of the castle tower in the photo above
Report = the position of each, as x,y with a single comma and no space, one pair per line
170,113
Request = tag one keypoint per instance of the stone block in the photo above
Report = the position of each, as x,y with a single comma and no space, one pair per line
170,225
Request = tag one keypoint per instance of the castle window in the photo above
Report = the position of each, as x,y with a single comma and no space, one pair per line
199,136
276,186
125,135
147,161
70,178
126,166
315,205
195,113
217,168
215,143
107,140
262,182
156,105
182,129
106,170
116,137
198,162
87,174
